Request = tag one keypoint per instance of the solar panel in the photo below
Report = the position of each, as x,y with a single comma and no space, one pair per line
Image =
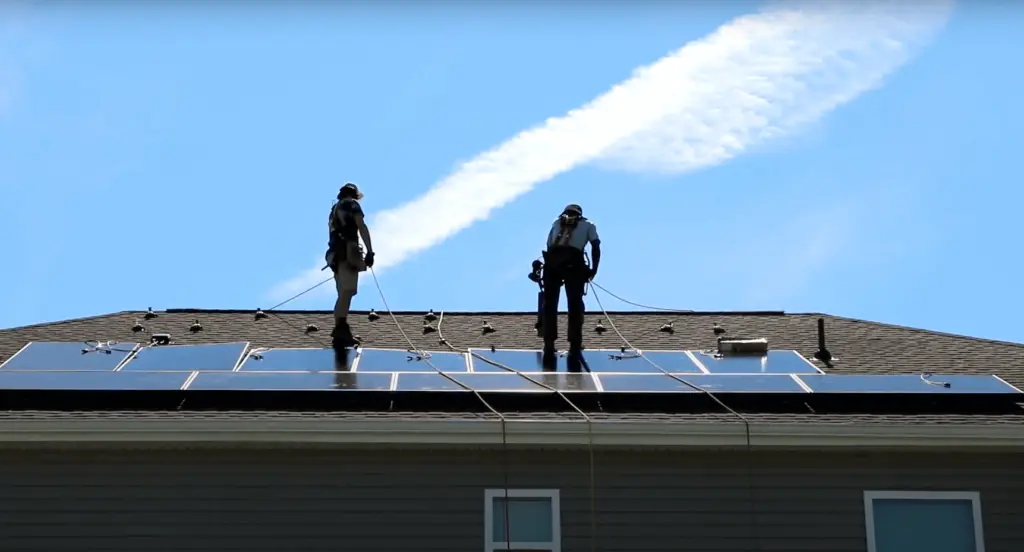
220,357
905,383
506,382
516,359
289,381
644,383
93,381
391,360
747,383
50,355
426,382
298,360
776,362
629,362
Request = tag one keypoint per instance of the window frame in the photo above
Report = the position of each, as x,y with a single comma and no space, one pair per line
973,496
490,495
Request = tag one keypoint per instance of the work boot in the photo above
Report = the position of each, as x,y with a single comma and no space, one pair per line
549,356
341,335
574,360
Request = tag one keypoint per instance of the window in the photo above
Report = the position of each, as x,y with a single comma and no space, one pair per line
923,521
529,521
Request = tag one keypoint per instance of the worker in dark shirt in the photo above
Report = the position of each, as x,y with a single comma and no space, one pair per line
564,264
345,257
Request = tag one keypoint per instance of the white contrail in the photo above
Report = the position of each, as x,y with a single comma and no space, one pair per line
757,77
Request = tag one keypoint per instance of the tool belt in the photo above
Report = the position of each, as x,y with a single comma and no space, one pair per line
565,260
348,252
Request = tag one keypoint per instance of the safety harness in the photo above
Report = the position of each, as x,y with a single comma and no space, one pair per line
342,246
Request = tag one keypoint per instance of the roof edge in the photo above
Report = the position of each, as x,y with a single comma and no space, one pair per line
517,433
479,313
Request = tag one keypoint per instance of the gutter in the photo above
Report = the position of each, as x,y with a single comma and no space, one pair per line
518,433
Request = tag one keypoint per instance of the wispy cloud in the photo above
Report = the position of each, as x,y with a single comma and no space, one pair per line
756,78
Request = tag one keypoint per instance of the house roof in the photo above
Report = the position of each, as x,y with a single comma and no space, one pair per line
860,347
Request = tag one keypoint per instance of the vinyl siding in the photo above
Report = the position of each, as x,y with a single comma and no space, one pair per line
429,500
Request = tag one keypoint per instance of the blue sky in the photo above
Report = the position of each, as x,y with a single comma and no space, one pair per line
175,156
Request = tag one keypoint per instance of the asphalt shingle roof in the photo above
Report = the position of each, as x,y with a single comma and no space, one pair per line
860,347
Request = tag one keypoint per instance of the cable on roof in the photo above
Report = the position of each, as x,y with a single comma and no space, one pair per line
746,422
586,418
501,417
598,286
272,310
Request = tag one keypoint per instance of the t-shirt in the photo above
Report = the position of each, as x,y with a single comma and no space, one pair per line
342,222
585,232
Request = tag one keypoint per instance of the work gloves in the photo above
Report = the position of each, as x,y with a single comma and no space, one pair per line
369,260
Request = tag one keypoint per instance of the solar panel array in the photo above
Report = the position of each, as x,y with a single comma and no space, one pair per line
239,367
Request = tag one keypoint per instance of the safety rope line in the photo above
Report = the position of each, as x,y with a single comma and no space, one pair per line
598,286
589,421
272,310
501,417
746,422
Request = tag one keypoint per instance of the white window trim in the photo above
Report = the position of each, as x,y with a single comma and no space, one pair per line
974,497
556,520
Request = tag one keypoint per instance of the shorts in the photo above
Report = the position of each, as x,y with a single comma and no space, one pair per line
346,279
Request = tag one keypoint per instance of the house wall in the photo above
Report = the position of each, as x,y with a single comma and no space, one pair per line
423,500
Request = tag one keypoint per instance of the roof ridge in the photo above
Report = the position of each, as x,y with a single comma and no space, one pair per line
482,313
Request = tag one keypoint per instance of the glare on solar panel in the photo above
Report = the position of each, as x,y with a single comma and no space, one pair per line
50,355
775,362
217,357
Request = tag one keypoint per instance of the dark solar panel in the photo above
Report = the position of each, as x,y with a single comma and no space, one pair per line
905,383
775,362
298,360
220,357
48,355
390,360
289,381
93,381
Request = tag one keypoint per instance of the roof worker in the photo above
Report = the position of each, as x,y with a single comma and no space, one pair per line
564,265
345,257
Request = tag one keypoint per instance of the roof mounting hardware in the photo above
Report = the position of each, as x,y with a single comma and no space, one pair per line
740,346
260,315
823,354
149,314
160,339
718,330
430,316
427,328
667,328
138,327
492,348
443,341
195,327
373,316
311,328
599,328
487,329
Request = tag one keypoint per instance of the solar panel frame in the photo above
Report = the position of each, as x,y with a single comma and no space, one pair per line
426,368
127,365
712,365
118,353
252,352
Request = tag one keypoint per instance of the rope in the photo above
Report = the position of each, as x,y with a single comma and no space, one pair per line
272,310
745,421
595,284
586,418
504,430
